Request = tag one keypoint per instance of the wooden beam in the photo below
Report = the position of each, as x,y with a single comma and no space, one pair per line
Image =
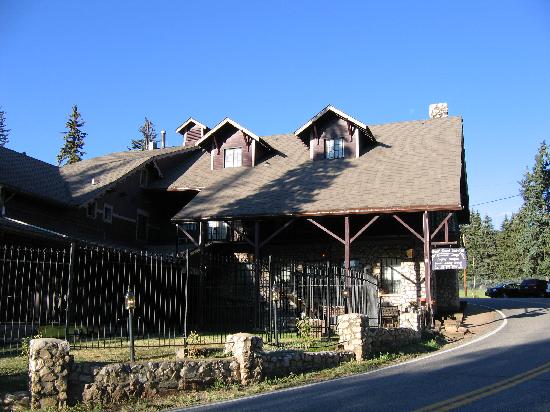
427,263
287,224
364,228
444,222
447,243
408,227
346,244
324,229
191,238
235,230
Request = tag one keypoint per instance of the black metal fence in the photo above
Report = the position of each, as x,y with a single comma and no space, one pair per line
78,293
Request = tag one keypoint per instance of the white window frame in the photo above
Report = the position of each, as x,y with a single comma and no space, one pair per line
330,148
105,207
232,163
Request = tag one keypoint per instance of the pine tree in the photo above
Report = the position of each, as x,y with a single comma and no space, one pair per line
148,134
534,217
72,151
4,131
480,239
509,261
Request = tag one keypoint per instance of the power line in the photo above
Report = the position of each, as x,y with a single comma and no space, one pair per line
496,200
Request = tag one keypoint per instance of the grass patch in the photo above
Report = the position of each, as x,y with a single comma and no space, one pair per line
473,293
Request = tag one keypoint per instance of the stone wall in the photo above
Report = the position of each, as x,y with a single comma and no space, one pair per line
356,336
48,370
283,363
120,382
255,364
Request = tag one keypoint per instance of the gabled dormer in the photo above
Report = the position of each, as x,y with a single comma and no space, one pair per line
232,145
192,131
333,134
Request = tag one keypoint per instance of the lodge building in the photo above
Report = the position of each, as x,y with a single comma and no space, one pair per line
377,198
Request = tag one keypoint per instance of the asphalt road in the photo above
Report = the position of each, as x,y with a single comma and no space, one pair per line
506,371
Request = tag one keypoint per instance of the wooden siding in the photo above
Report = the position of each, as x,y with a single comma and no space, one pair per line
229,140
331,127
192,135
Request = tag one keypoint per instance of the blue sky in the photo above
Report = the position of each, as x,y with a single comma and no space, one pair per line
271,65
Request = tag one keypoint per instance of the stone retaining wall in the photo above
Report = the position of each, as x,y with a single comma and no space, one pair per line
120,382
356,336
283,363
55,377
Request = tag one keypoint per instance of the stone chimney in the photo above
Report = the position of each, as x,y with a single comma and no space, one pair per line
438,110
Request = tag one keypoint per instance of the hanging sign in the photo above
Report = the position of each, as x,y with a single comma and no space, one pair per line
449,258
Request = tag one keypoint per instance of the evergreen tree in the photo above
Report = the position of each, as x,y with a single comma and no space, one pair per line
480,240
72,151
4,131
509,262
148,134
534,217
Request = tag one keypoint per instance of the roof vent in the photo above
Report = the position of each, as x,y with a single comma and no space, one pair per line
163,139
152,145
438,110
93,181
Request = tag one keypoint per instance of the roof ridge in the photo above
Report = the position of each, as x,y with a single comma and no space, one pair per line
417,121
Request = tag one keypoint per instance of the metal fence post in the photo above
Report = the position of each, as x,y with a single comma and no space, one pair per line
69,289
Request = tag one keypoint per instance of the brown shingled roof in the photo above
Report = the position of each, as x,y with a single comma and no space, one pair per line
415,166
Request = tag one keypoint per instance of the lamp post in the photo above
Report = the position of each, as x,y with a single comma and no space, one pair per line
345,295
130,303
275,296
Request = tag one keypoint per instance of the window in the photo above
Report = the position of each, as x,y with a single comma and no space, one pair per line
108,213
91,210
233,157
217,230
391,275
334,148
141,226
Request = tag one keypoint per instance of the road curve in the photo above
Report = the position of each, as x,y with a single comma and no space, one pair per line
506,371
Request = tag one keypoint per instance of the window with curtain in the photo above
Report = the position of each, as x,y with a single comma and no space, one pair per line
334,148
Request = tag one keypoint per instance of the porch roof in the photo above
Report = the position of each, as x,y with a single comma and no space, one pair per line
415,166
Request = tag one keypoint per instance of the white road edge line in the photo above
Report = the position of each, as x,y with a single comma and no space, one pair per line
418,359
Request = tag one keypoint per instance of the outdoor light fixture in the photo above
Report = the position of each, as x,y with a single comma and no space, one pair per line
130,300
345,292
130,303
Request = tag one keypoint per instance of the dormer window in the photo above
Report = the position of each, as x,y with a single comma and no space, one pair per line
334,148
233,157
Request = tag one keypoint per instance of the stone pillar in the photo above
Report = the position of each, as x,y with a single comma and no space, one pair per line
248,351
48,372
353,330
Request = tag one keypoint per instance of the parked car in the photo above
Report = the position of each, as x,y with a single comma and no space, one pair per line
504,290
536,288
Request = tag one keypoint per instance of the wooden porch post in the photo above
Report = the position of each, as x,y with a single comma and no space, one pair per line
427,263
346,244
